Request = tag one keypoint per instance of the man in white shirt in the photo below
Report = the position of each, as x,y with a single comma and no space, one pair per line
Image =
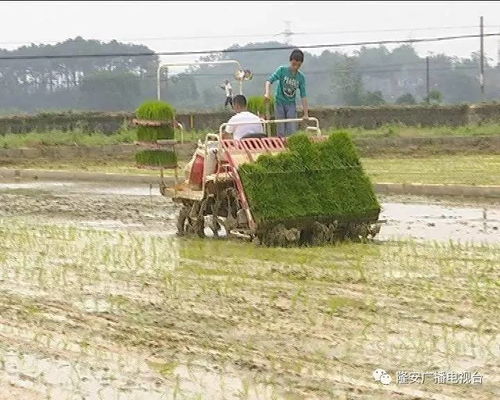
252,126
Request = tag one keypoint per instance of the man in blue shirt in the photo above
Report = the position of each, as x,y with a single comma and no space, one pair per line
289,80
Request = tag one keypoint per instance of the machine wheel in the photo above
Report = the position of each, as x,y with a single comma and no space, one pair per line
215,226
211,211
181,220
280,236
222,210
189,224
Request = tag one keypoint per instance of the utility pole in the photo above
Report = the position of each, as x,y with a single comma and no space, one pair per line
498,52
287,33
427,79
481,75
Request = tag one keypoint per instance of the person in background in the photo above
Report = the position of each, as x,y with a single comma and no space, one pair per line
289,80
229,93
252,123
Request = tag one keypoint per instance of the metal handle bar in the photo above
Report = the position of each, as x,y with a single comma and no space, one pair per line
163,65
271,121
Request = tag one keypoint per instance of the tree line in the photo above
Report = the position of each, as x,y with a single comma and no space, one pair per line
73,83
368,76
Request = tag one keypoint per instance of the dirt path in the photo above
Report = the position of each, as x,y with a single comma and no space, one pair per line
99,300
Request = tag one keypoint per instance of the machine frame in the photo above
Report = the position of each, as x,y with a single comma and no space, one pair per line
230,154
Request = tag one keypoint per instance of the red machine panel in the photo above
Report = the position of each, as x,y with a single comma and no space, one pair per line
247,150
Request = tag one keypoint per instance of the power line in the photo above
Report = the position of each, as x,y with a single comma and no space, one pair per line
156,38
246,50
250,35
366,68
255,73
374,70
393,30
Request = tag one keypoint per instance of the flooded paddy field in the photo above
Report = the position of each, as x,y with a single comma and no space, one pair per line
100,300
142,207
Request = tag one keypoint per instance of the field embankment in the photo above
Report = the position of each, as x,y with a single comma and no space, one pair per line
330,117
386,164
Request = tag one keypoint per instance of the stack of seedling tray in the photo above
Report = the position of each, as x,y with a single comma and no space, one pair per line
313,181
155,135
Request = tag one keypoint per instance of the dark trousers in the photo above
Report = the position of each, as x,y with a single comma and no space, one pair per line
229,100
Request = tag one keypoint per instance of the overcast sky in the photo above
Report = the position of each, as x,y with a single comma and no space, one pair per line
159,25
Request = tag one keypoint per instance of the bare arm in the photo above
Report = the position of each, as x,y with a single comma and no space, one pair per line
305,107
274,77
267,90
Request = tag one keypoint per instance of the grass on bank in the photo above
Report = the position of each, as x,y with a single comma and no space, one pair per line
444,169
81,138
398,130
60,138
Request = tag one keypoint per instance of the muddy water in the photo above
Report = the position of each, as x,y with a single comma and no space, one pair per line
99,205
422,221
142,207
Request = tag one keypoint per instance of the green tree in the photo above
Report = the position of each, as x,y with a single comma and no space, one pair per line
110,91
407,98
347,81
55,83
182,90
373,98
435,97
333,78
